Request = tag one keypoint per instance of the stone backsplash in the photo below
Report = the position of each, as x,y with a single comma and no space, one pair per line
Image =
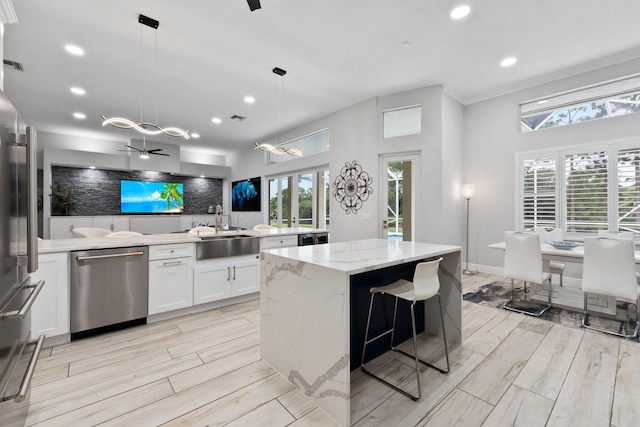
97,191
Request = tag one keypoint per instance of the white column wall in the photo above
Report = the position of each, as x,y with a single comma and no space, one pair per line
356,134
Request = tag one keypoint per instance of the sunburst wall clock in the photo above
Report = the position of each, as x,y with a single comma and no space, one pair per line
352,187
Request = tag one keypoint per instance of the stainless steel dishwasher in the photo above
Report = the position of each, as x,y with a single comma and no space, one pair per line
109,289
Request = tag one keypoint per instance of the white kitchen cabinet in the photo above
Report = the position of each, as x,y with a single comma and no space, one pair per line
279,241
50,311
221,278
245,275
60,226
170,277
115,223
211,280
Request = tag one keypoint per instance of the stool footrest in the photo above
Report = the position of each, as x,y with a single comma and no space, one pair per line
442,371
396,388
379,336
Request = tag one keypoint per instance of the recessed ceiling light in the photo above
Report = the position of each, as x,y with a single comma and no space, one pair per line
195,135
201,176
216,120
74,50
460,12
79,116
92,167
543,101
78,90
508,62
249,99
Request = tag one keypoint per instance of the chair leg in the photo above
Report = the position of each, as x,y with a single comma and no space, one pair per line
415,348
561,275
621,333
507,305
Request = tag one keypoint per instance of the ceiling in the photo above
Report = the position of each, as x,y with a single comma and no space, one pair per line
212,53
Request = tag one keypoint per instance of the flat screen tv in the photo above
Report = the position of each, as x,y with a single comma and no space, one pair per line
140,197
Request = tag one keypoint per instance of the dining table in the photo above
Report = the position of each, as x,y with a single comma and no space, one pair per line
567,297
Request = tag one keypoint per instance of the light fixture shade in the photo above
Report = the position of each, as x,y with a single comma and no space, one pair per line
468,191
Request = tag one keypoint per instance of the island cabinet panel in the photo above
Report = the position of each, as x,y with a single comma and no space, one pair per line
50,311
170,277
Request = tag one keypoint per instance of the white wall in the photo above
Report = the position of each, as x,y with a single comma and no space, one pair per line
355,134
492,137
74,151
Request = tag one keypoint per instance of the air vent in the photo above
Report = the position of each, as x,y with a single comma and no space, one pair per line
237,117
15,65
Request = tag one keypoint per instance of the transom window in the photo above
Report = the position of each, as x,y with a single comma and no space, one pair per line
581,190
610,99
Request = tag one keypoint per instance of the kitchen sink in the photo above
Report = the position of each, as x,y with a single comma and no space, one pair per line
226,245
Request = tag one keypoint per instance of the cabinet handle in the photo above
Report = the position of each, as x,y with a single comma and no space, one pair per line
228,274
19,314
234,272
119,255
172,263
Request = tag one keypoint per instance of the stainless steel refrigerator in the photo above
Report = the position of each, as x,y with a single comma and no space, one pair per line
18,258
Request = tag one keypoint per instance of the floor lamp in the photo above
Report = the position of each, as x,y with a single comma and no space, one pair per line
468,191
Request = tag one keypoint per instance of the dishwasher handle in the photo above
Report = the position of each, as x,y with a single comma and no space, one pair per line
120,255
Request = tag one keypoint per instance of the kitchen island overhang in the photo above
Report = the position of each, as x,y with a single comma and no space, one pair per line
306,308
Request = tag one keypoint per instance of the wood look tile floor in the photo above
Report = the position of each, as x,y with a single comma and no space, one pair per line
205,369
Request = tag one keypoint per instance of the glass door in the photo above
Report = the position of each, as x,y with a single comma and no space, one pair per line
398,196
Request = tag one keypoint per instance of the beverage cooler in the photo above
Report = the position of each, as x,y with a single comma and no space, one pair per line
313,239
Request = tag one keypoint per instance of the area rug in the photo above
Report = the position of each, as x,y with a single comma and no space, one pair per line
496,294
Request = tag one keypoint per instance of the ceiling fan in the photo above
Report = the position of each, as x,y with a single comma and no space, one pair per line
144,153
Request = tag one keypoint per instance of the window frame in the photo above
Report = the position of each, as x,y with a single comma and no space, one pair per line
613,148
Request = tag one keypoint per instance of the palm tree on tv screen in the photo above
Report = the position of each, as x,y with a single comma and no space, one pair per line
171,194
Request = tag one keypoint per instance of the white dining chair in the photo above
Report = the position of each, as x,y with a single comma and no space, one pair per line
89,232
425,285
553,235
616,234
610,269
523,261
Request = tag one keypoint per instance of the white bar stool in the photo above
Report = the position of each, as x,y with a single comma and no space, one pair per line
425,285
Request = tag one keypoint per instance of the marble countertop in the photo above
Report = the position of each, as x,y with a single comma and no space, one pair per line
80,244
363,255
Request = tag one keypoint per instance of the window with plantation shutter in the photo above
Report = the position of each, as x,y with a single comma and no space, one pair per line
539,193
581,189
586,192
629,190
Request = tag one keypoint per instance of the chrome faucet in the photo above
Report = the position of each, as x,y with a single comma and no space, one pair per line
218,218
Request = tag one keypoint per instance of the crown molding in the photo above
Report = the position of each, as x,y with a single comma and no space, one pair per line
7,12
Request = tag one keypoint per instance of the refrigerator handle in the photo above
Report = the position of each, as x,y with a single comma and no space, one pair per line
32,201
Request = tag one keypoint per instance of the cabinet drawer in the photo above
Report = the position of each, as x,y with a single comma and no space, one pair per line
179,250
279,242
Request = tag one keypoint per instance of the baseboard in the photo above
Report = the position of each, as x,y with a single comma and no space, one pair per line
202,307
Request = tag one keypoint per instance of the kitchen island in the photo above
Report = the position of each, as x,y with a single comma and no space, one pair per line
309,309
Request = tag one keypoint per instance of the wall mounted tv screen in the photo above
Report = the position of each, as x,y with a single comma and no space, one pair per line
139,197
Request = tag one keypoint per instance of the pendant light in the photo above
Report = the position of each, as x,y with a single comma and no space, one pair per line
146,128
275,148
